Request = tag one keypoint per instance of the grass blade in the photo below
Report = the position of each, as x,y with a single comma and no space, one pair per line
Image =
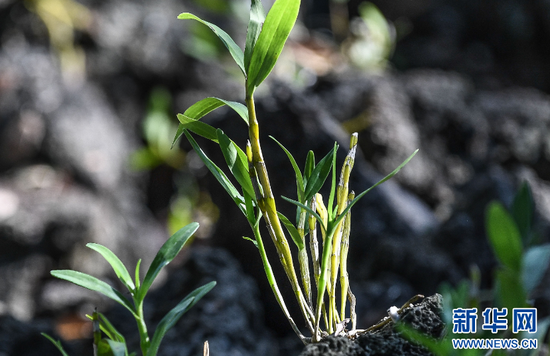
504,236
234,50
56,344
389,176
175,314
299,178
218,174
118,266
319,174
277,26
92,283
292,231
189,119
166,254
237,162
257,18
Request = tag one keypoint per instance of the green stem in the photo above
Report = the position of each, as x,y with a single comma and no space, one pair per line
142,327
273,282
269,209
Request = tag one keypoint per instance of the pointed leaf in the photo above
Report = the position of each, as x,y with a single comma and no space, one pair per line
166,254
535,264
309,166
57,344
92,283
251,240
257,18
234,50
200,109
175,314
504,236
308,209
198,127
292,231
108,329
237,162
277,26
116,264
319,174
117,348
218,174
299,178
354,201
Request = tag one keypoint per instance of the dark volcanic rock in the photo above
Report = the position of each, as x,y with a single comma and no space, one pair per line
424,317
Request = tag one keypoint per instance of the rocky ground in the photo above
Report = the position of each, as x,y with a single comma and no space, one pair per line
468,86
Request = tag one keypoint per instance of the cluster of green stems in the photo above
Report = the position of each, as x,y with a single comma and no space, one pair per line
327,263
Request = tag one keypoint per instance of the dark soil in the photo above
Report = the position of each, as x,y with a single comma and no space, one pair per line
424,317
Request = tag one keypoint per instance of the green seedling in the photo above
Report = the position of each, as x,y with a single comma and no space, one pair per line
317,297
115,343
521,266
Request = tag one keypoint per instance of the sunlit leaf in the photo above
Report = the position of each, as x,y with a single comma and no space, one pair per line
92,283
277,26
237,162
189,119
218,174
166,254
299,178
292,231
319,174
234,50
175,314
116,264
257,18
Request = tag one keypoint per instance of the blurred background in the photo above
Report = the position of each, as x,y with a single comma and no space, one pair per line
89,92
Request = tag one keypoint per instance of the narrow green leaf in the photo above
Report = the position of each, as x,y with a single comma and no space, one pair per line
175,314
299,178
309,166
257,18
198,127
218,174
108,329
277,26
535,264
292,231
330,209
319,174
166,254
522,211
389,176
189,119
251,240
117,348
234,50
237,162
116,264
138,282
57,344
308,209
504,236
92,283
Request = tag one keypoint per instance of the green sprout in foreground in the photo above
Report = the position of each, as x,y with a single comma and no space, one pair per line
115,343
265,40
